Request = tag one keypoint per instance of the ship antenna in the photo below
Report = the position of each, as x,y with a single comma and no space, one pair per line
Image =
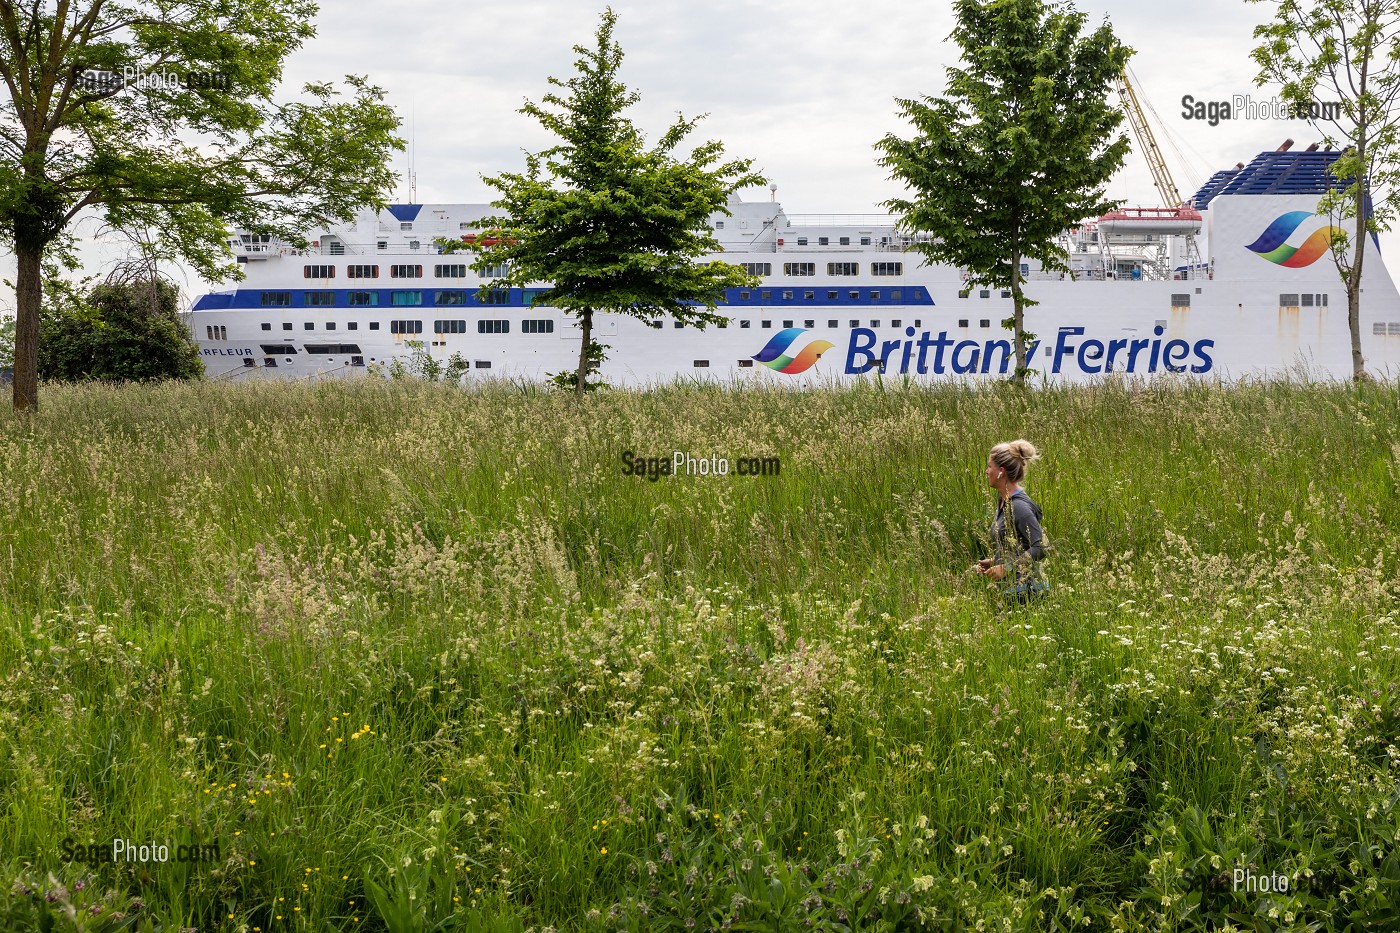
412,145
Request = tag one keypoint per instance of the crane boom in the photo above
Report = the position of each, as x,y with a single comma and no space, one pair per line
1161,177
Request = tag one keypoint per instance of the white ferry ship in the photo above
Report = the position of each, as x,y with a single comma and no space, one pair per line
1240,283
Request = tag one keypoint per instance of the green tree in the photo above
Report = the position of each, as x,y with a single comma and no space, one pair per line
1349,51
7,341
161,115
119,331
610,224
1021,149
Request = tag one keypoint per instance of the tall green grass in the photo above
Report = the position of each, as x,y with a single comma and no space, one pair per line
422,658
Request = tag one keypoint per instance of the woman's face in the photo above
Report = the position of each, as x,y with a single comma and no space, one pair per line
993,474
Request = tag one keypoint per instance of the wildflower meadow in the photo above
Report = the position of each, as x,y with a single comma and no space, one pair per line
397,656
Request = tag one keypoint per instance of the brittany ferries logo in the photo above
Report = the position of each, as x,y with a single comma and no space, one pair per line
1272,244
775,355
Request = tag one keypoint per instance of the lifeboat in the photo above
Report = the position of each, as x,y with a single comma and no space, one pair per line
1161,221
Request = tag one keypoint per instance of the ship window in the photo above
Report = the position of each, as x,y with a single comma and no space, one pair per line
320,299
537,327
286,325
964,292
1324,299
984,323
309,325
337,248
702,364
787,324
451,298
830,323
765,295
405,225
874,323
1181,301
845,241
809,324
405,327
374,325
383,244
1006,293
744,325
407,298
865,241
744,296
875,295
266,326
854,295
357,361
483,364
1378,329
887,268
898,295
353,325
249,361
277,299
325,349
1307,301
330,325
787,296
767,324
362,272
1288,301
278,349
679,325
318,272
1394,328
362,299
802,241
962,322
984,293
493,327
809,295
496,296
498,271
719,225
745,364
896,323
799,268
655,324
270,363
822,241
449,327
855,323
405,272
757,268
453,271
843,268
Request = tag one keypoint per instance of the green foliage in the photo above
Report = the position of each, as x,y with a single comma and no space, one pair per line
1020,150
568,381
166,149
122,332
421,364
7,341
1345,52
611,224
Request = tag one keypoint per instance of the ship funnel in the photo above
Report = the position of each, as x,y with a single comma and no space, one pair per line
1287,144
1313,147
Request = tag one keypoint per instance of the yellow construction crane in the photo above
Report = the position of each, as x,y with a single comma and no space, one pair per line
1161,177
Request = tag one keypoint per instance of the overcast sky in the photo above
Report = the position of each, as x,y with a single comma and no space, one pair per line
803,88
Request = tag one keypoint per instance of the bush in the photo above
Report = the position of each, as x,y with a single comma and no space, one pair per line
118,332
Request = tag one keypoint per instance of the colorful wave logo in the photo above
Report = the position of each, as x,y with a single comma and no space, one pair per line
1271,244
775,356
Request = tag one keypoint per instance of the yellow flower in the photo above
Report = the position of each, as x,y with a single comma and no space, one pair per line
605,850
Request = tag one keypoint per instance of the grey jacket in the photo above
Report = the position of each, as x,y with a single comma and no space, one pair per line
1024,551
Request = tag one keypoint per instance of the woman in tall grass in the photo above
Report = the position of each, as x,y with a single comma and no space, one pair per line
1020,552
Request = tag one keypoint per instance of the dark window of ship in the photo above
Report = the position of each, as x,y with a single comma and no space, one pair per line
745,324
809,324
266,326
962,322
374,325
985,323
787,324
767,324
310,326
845,241
286,325
833,323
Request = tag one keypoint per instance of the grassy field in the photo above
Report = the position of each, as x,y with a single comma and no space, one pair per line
397,656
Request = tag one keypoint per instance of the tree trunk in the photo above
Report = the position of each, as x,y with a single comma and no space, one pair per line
28,296
1358,363
1018,321
586,321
